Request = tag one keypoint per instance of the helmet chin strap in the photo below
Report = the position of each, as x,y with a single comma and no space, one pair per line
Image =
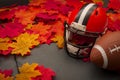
72,49
75,50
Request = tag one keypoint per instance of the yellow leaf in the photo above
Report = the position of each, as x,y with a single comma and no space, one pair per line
2,77
59,28
24,43
59,40
29,26
27,72
4,45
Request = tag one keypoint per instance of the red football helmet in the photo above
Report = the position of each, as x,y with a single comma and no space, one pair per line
85,24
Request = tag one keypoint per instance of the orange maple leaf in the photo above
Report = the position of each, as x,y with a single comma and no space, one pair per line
36,10
113,17
63,18
95,1
62,1
27,72
4,9
4,45
25,16
41,28
59,28
42,39
36,2
2,77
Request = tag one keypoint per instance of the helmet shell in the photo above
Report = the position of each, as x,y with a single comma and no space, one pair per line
96,21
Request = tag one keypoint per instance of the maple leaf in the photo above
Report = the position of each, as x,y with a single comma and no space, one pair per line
46,18
62,18
42,39
6,52
25,16
24,43
59,40
27,72
36,10
6,72
58,28
11,30
52,12
47,73
95,1
2,30
41,28
58,6
75,3
36,2
113,16
45,32
4,43
58,36
15,28
113,25
46,38
114,4
65,9
113,21
2,77
61,1
88,1
29,26
7,14
52,5
4,9
5,46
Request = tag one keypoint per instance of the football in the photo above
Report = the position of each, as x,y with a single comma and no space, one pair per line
106,51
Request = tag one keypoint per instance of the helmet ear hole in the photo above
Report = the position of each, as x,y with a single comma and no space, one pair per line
96,12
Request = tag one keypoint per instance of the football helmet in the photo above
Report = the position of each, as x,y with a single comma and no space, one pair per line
84,26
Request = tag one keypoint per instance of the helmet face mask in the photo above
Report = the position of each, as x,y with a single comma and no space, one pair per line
78,43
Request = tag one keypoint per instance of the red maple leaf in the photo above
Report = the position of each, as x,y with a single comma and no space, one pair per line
114,4
7,14
6,72
113,21
6,52
52,5
65,9
113,25
46,18
11,30
75,3
47,73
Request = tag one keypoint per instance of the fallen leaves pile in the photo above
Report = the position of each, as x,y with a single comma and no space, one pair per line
23,27
29,72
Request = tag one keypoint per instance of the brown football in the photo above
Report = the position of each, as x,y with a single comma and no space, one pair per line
106,51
